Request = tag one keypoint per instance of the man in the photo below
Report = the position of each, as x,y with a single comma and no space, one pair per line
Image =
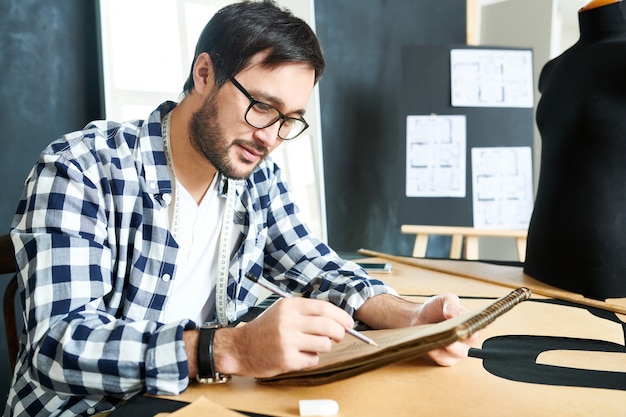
129,236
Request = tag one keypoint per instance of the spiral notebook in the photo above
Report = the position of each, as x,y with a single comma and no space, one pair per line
351,356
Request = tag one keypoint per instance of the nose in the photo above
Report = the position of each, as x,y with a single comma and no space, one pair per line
268,136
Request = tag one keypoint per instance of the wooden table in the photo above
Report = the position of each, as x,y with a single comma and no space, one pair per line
543,358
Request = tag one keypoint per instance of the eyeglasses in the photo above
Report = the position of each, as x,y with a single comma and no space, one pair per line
262,115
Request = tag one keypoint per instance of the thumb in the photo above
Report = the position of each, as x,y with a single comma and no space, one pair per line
451,306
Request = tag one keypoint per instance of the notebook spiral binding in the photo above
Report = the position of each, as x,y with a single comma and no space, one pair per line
496,309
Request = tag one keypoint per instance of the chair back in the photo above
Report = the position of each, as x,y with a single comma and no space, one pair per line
9,266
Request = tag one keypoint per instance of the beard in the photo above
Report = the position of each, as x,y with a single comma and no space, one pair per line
207,136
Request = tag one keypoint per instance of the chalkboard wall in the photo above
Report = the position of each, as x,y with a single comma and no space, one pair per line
49,85
359,94
427,90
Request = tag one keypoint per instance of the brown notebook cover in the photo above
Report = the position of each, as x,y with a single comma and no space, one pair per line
352,356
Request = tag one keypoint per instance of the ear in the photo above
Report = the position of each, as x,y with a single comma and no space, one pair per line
203,73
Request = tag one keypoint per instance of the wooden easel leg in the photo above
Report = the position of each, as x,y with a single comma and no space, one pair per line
419,249
471,247
520,243
456,246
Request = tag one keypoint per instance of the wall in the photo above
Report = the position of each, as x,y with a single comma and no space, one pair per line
50,85
507,24
359,96
548,27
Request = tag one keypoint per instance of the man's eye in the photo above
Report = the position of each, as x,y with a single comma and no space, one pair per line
264,108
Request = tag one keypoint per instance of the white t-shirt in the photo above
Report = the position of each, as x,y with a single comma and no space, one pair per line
196,228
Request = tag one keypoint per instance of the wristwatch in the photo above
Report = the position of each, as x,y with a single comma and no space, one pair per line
206,365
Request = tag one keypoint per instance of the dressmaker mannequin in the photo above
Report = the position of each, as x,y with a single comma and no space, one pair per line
597,3
577,234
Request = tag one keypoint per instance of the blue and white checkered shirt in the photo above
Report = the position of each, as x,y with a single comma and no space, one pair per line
96,261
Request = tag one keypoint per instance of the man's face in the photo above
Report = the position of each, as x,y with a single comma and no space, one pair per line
218,128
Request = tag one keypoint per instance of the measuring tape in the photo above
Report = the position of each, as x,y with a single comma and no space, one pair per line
223,261
165,128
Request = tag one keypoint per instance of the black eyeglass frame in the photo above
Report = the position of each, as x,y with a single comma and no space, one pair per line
283,118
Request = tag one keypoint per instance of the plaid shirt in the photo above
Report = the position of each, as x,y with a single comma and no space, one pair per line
96,261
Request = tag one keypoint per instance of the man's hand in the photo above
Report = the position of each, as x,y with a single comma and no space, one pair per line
388,311
439,308
290,335
286,337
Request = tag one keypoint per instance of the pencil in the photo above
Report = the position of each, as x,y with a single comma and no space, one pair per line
276,290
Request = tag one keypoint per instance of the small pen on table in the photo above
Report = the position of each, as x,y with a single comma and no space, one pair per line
276,290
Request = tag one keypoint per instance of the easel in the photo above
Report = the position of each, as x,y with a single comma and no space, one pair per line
460,234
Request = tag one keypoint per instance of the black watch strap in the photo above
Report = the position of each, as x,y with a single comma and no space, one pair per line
207,374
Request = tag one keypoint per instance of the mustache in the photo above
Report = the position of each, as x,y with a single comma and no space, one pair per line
262,150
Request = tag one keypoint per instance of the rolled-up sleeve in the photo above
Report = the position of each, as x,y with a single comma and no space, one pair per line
298,261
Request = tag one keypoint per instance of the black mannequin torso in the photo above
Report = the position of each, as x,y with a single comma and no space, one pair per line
576,238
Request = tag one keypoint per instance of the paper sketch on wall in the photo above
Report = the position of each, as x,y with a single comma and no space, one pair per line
502,189
435,156
491,78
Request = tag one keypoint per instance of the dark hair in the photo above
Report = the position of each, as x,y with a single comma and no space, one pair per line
239,31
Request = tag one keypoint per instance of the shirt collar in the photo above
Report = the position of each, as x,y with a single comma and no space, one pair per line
150,139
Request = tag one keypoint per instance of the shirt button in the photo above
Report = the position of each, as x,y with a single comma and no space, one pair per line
91,410
167,199
166,277
153,185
